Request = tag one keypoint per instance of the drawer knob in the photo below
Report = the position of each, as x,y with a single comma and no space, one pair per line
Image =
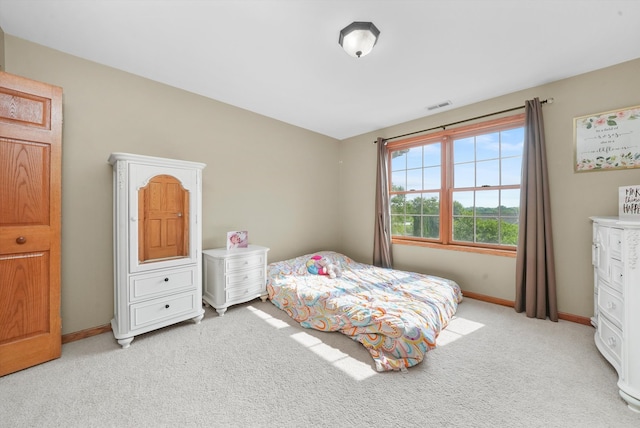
166,306
21,240
166,280
611,305
611,342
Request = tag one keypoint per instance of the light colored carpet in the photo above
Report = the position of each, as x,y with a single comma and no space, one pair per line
255,367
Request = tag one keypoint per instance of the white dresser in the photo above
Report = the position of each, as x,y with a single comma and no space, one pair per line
234,276
616,262
157,244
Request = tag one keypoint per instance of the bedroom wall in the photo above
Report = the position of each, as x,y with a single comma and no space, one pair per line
255,165
574,196
262,175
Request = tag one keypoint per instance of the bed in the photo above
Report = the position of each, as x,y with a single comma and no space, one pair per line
396,315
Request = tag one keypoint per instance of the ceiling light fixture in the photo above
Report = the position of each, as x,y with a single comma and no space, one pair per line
358,38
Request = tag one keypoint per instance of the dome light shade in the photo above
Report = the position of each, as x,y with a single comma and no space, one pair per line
358,38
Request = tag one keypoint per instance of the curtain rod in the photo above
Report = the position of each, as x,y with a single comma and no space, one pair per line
549,100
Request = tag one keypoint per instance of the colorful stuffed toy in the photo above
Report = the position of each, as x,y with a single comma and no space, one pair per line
314,267
318,265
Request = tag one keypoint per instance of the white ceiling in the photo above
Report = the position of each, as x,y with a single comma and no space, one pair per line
281,58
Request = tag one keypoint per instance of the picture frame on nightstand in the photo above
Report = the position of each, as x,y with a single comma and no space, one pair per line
237,239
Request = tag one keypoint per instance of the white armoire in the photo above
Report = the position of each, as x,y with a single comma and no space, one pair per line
157,243
616,267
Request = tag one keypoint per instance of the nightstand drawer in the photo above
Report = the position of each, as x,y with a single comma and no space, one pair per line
240,278
251,290
158,310
233,264
158,284
610,305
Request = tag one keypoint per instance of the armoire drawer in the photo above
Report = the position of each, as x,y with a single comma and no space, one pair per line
234,264
159,310
610,305
156,284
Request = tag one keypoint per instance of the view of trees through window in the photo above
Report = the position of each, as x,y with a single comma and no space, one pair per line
480,206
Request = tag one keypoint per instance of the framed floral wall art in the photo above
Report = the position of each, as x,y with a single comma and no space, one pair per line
607,140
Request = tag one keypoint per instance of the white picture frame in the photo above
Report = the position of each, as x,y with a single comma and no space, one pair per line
237,239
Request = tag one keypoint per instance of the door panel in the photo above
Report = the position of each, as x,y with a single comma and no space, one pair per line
30,189
24,197
24,108
24,274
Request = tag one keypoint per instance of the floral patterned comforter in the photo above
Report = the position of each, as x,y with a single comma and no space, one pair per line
396,315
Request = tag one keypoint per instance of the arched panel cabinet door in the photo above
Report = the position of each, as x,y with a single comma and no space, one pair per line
163,219
30,222
157,243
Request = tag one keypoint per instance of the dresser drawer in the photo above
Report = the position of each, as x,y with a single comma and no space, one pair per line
233,264
238,279
615,243
617,275
158,284
159,310
611,338
610,304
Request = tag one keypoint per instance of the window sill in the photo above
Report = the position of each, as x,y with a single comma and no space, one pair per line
464,248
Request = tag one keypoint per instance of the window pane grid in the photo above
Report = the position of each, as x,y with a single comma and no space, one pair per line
416,215
483,201
486,216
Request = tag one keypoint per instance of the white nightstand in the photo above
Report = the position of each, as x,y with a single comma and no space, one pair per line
234,276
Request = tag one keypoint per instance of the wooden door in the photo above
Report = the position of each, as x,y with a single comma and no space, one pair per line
30,187
163,206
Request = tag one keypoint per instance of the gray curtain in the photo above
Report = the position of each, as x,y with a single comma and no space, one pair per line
535,267
382,233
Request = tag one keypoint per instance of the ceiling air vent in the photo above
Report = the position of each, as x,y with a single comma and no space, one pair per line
439,105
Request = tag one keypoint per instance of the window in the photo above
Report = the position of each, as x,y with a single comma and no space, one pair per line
458,187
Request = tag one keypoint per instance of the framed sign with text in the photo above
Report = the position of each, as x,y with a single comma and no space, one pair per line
629,202
608,140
